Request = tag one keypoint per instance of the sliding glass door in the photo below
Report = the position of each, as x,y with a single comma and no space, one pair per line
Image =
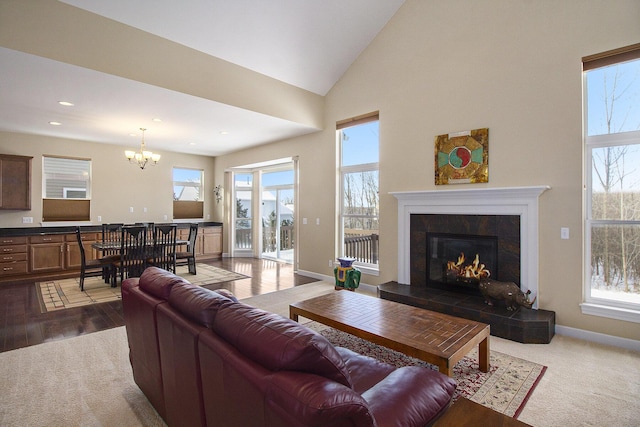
277,213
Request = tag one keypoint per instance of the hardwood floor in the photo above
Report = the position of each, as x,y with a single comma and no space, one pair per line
22,323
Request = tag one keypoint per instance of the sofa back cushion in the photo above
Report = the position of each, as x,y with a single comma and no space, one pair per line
200,305
279,344
158,282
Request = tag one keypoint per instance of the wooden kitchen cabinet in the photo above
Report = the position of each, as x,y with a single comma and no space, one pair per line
208,241
212,241
13,256
46,253
15,182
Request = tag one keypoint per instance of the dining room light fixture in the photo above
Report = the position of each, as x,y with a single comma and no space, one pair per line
142,157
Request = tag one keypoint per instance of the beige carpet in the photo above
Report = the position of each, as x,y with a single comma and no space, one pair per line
61,294
505,388
87,380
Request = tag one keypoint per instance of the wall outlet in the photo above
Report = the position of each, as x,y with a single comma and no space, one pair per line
330,263
131,209
27,220
165,217
99,218
144,210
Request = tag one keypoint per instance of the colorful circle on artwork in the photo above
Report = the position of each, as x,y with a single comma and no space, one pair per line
460,157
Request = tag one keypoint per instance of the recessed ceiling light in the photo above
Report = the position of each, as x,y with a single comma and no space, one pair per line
224,132
157,120
66,103
192,143
55,123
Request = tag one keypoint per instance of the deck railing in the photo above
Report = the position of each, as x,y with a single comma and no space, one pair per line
363,248
269,238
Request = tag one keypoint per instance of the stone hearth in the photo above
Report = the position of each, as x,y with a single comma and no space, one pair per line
512,212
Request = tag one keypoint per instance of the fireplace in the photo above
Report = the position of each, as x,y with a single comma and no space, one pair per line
500,225
436,240
457,262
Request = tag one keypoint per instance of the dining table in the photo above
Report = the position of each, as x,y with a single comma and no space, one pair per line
106,246
111,246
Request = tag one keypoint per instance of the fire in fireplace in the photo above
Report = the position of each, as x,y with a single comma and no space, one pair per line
457,262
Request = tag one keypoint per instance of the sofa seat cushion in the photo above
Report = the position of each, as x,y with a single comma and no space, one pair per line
410,395
278,343
198,304
158,282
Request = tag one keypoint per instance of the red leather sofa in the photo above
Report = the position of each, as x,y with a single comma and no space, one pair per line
204,359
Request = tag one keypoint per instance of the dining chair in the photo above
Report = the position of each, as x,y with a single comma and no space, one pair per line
133,254
150,227
111,234
164,247
190,254
91,267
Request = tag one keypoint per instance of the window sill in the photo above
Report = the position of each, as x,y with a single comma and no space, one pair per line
628,315
367,270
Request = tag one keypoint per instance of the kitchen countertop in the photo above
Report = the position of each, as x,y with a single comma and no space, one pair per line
67,229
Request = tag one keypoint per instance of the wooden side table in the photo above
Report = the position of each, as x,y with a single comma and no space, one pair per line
466,413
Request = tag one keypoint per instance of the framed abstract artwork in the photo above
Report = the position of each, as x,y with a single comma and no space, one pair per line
462,157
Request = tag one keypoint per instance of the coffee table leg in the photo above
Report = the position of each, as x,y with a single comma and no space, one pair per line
293,316
483,355
445,368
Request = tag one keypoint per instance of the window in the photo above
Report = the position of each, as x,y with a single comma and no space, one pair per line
612,155
66,178
359,185
243,190
187,184
66,188
188,194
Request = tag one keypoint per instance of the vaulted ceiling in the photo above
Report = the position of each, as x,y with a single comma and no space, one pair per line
220,75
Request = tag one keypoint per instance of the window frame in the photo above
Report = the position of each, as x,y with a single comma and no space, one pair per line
63,209
367,268
593,305
188,209
244,251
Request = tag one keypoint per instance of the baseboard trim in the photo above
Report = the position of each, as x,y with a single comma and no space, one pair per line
369,288
599,338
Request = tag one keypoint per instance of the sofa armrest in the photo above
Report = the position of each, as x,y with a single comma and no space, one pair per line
297,398
410,396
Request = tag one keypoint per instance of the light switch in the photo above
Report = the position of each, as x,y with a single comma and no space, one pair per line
564,233
317,221
304,221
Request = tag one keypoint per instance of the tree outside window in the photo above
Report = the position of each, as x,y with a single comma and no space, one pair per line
612,95
359,148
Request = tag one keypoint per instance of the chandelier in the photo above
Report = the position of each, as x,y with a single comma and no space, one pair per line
142,157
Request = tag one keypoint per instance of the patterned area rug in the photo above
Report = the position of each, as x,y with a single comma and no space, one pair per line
62,294
506,388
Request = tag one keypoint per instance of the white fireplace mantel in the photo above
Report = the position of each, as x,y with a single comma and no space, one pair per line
522,201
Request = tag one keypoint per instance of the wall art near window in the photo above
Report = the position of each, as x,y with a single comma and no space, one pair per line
462,157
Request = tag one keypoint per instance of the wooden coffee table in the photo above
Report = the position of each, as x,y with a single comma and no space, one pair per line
436,338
